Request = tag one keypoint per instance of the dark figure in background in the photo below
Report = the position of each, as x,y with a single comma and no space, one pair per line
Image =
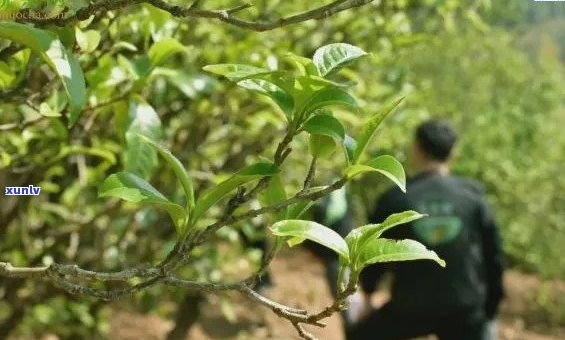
456,302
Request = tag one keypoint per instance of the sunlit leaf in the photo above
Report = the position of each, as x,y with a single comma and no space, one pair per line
371,126
7,76
303,88
124,45
304,65
300,229
47,111
163,49
132,188
331,96
84,150
87,40
278,95
386,165
235,72
332,57
178,169
294,241
384,250
358,237
259,80
53,52
326,125
140,158
375,230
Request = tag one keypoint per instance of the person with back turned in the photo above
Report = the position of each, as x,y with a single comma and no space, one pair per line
454,303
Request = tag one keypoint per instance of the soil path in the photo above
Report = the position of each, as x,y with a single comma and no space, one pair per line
299,281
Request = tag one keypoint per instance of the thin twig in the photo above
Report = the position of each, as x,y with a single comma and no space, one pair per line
108,295
110,101
65,276
311,174
302,332
21,125
6,269
100,8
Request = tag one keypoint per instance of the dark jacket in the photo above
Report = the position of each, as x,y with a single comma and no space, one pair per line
460,228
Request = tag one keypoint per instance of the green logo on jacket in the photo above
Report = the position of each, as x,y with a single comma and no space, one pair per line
440,226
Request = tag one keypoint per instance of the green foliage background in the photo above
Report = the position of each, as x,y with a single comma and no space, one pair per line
494,68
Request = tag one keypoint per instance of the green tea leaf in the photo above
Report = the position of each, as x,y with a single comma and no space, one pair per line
7,76
371,126
294,241
357,238
84,150
273,194
321,146
303,89
139,68
178,169
87,40
213,195
192,85
132,188
300,229
235,72
386,165
331,96
260,80
325,125
304,65
298,209
385,250
330,58
160,51
375,230
124,45
140,158
284,101
53,52
47,111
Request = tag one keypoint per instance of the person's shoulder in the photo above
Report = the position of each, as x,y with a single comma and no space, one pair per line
472,185
393,192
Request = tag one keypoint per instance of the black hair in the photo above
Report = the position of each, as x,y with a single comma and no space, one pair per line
436,139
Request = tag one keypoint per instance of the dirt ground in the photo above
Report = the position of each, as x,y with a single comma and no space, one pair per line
304,286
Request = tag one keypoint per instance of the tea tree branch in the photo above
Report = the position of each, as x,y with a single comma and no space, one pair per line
228,15
61,276
6,269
